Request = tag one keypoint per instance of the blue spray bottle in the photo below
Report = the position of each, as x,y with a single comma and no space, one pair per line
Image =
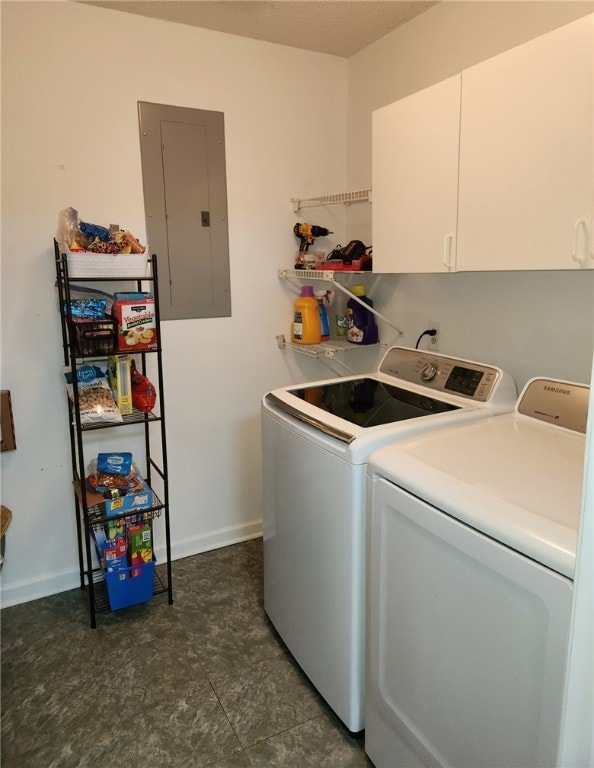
322,297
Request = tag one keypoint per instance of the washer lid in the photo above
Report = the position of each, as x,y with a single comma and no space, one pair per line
514,478
369,402
409,385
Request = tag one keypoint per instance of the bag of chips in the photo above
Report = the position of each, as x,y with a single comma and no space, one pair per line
95,398
144,395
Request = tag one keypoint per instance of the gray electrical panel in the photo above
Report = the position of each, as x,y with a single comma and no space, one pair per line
185,198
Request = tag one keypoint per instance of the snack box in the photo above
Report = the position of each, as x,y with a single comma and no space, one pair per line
139,497
140,546
118,367
111,552
136,319
89,264
116,527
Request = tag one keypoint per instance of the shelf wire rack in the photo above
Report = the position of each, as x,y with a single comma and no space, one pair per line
341,198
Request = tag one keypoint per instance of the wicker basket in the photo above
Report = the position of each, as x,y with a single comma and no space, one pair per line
5,518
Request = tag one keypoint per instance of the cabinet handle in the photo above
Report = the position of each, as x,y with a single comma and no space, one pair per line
447,251
580,226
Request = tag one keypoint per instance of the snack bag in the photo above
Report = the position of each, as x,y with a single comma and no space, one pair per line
114,472
104,479
95,398
68,231
115,463
144,395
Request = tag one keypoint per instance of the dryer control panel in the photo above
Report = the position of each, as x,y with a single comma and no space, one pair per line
560,403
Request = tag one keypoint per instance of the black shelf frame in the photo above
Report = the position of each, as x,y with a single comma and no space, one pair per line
88,517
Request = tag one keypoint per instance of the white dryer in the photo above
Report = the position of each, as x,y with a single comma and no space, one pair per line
316,440
471,550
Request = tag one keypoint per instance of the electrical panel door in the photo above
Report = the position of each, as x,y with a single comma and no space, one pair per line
183,170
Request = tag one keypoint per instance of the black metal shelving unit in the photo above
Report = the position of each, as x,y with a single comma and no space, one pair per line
89,517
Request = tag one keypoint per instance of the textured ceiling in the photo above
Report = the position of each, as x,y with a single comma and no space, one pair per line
339,27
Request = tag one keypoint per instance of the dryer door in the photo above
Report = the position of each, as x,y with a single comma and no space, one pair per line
467,643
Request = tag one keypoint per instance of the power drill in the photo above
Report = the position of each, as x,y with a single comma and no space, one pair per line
307,233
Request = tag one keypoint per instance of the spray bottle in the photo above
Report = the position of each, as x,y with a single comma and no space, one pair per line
322,298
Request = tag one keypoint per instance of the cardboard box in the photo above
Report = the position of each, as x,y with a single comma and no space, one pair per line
117,527
138,498
120,382
137,325
140,546
112,552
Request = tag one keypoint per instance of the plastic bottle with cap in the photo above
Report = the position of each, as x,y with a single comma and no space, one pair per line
340,314
322,297
362,326
306,326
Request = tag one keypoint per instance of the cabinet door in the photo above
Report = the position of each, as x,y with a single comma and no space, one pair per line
415,181
526,168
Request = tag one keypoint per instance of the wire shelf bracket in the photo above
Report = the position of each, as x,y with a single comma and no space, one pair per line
323,349
330,276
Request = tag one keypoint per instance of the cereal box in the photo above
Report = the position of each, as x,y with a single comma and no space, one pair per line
137,328
120,382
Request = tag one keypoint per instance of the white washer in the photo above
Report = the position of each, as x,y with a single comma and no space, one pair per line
472,538
316,441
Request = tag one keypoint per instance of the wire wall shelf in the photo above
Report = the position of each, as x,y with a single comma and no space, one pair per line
342,198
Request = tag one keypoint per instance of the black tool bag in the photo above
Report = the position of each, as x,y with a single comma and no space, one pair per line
351,252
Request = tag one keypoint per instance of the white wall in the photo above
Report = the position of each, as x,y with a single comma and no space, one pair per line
528,323
72,76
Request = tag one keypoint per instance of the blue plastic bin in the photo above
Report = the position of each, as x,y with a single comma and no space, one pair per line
124,590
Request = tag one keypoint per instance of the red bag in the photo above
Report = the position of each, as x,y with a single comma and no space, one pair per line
144,394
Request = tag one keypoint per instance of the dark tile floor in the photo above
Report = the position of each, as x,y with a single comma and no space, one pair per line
205,682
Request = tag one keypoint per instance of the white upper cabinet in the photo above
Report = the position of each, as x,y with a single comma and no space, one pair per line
493,169
526,160
415,181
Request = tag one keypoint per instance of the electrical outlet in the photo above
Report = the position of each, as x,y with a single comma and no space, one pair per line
434,341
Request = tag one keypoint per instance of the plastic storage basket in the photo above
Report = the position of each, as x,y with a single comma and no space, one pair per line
88,264
94,337
124,590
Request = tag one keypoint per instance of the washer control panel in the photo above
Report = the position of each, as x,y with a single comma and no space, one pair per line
429,371
441,373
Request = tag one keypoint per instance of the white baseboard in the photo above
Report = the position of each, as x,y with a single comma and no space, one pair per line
221,537
50,584
25,590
